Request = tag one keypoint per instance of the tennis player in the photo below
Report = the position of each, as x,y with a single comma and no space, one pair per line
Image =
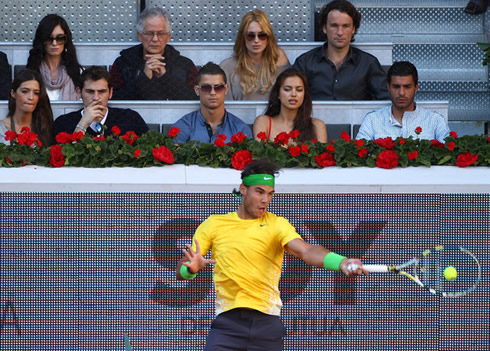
247,249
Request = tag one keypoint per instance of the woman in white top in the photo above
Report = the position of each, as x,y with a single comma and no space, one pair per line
256,61
28,107
54,56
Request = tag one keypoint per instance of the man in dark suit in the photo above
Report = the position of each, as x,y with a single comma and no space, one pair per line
96,117
5,77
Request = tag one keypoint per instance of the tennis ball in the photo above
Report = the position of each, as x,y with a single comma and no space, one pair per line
450,273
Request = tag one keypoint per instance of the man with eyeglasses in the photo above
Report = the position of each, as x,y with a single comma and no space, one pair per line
211,121
153,70
336,70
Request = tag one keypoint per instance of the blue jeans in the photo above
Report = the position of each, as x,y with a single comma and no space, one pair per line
245,330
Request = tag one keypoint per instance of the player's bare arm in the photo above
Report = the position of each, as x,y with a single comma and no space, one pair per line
314,255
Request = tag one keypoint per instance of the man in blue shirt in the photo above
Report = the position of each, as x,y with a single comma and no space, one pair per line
403,118
211,119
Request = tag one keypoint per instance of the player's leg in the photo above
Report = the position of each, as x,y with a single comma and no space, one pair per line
228,332
267,333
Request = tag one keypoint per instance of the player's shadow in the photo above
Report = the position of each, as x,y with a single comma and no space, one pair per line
166,252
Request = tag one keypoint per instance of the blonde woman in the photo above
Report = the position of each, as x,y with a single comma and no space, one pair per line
257,60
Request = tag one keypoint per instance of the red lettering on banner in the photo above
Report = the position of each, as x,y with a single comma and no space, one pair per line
296,274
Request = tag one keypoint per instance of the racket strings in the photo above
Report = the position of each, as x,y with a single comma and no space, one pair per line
430,270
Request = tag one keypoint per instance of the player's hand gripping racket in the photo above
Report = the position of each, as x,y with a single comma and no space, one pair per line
429,270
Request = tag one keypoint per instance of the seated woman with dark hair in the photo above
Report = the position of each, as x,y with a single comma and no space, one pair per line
54,56
28,107
256,61
290,108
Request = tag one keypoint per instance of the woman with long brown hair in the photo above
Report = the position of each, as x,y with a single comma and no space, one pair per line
256,61
289,108
28,107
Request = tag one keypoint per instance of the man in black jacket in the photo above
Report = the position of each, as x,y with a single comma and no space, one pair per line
337,70
96,118
153,70
5,77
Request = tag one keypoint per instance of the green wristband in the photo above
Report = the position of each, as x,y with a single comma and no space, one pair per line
332,261
184,273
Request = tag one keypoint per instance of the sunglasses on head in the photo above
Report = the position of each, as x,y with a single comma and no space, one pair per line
207,88
261,35
60,39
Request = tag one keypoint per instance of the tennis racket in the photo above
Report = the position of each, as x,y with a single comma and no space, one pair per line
427,270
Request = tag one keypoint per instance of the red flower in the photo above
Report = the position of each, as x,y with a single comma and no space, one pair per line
163,154
99,138
294,134
451,145
56,158
413,155
219,142
304,148
8,160
325,159
130,137
64,138
387,159
116,130
437,143
453,134
362,152
78,135
387,143
401,141
137,153
238,137
466,159
314,141
345,136
26,137
221,136
418,130
10,135
359,143
488,139
173,132
330,148
282,138
240,159
294,150
262,136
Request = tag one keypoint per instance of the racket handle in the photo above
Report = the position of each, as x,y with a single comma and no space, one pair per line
369,267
